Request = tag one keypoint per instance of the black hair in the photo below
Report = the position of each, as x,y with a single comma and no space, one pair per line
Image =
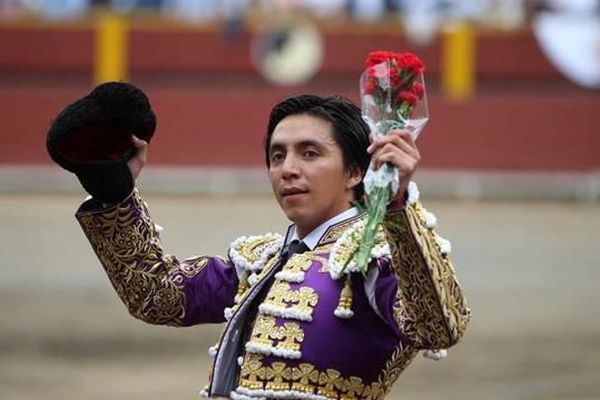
350,132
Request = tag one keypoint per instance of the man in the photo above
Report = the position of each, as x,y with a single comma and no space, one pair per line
294,329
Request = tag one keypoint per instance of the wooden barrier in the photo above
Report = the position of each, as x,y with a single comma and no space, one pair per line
212,106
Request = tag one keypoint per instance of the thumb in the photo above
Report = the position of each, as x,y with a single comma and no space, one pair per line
138,161
138,143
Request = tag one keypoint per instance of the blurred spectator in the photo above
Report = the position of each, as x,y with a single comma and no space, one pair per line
58,9
324,8
131,5
368,10
10,8
193,10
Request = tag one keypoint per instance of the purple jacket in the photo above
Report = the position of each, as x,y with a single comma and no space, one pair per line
295,330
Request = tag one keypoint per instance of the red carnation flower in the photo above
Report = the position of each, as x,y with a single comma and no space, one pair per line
371,85
394,77
406,96
410,61
377,57
418,90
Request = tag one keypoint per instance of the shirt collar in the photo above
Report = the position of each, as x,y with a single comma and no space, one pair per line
312,239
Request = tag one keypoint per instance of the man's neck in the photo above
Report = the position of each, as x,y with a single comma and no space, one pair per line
312,237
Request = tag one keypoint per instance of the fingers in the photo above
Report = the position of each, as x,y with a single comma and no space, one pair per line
405,163
398,148
400,138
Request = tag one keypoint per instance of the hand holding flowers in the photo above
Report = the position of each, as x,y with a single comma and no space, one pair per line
399,149
394,105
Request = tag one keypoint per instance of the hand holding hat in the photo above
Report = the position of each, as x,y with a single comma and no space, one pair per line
92,138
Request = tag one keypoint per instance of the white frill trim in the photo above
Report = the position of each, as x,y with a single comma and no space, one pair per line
227,313
212,350
266,253
252,347
435,355
445,245
158,228
237,299
203,393
252,278
413,193
240,360
430,219
289,313
238,396
343,313
351,234
293,277
277,394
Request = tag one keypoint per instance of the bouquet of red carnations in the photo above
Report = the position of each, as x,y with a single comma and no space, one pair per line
393,96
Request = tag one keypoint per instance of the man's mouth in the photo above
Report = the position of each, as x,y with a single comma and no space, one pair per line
292,191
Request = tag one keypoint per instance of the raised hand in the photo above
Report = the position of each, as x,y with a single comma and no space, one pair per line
399,149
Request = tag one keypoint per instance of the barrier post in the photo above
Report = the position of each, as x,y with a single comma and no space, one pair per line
111,49
458,62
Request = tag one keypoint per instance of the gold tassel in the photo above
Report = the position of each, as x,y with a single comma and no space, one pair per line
344,308
243,286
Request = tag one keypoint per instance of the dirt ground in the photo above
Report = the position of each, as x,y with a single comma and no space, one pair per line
530,269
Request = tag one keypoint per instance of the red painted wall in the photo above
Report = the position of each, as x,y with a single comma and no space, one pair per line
212,106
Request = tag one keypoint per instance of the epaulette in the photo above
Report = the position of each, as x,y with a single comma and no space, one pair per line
251,253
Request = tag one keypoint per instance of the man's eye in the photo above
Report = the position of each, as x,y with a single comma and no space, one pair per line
276,157
311,153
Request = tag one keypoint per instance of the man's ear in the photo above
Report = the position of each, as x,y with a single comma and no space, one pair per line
353,177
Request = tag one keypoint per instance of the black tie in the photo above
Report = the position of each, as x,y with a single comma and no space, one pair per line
295,247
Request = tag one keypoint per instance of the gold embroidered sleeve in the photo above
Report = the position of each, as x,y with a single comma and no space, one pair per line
431,306
156,287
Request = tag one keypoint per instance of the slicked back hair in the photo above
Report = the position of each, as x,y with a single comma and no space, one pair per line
350,132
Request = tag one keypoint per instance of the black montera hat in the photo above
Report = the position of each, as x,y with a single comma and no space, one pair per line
92,138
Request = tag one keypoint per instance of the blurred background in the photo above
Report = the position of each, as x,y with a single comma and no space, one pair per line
511,167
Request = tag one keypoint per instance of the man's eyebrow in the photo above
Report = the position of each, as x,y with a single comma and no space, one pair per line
276,146
301,143
310,143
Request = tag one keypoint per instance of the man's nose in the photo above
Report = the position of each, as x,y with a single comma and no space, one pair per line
290,167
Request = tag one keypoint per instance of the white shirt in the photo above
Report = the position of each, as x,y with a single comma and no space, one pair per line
312,239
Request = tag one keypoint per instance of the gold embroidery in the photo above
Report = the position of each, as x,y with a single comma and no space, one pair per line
307,299
330,382
335,231
347,245
397,363
430,307
305,376
268,266
266,333
282,296
290,335
279,295
253,373
252,249
264,330
277,376
298,263
148,281
353,388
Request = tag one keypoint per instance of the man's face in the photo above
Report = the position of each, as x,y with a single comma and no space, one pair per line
307,172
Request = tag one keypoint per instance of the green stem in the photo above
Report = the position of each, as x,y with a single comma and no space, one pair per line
377,208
